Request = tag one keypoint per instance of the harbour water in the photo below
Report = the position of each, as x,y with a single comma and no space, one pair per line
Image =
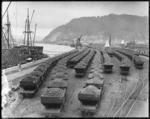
53,49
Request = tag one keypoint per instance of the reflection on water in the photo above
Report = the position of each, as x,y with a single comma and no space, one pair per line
52,49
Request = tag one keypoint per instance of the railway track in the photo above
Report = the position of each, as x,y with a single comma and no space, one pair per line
119,100
129,101
127,105
21,114
16,108
134,102
20,107
145,57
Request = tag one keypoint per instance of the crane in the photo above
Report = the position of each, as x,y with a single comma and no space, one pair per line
78,42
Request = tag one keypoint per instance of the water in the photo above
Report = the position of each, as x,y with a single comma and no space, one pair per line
52,49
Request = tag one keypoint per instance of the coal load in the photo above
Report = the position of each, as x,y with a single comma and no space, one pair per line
96,82
37,74
138,62
108,65
96,68
30,82
59,70
82,66
60,75
53,96
89,94
129,55
58,83
97,74
72,62
125,63
118,56
110,53
43,70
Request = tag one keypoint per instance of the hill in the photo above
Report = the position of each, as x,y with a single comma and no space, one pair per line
98,28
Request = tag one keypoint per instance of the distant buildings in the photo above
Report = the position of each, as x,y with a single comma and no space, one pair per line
131,44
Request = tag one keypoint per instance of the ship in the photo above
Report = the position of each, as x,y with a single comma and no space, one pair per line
26,52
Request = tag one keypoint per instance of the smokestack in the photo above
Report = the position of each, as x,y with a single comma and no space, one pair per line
110,40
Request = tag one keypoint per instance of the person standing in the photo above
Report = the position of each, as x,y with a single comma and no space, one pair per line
19,66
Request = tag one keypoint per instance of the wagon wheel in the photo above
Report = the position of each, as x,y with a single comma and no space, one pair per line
48,115
83,113
55,116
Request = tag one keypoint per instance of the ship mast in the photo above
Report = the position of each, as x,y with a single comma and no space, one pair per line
9,38
27,30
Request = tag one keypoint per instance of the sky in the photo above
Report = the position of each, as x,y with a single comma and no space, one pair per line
50,15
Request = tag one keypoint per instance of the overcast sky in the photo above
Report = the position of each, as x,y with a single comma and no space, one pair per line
49,15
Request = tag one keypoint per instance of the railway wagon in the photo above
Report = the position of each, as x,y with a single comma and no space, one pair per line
53,99
58,83
109,51
29,85
97,74
108,67
125,67
30,82
97,82
80,70
89,96
83,65
138,62
72,62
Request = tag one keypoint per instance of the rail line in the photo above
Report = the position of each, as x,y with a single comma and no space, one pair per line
21,114
127,104
116,100
23,100
17,105
144,84
134,102
17,111
111,108
124,97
